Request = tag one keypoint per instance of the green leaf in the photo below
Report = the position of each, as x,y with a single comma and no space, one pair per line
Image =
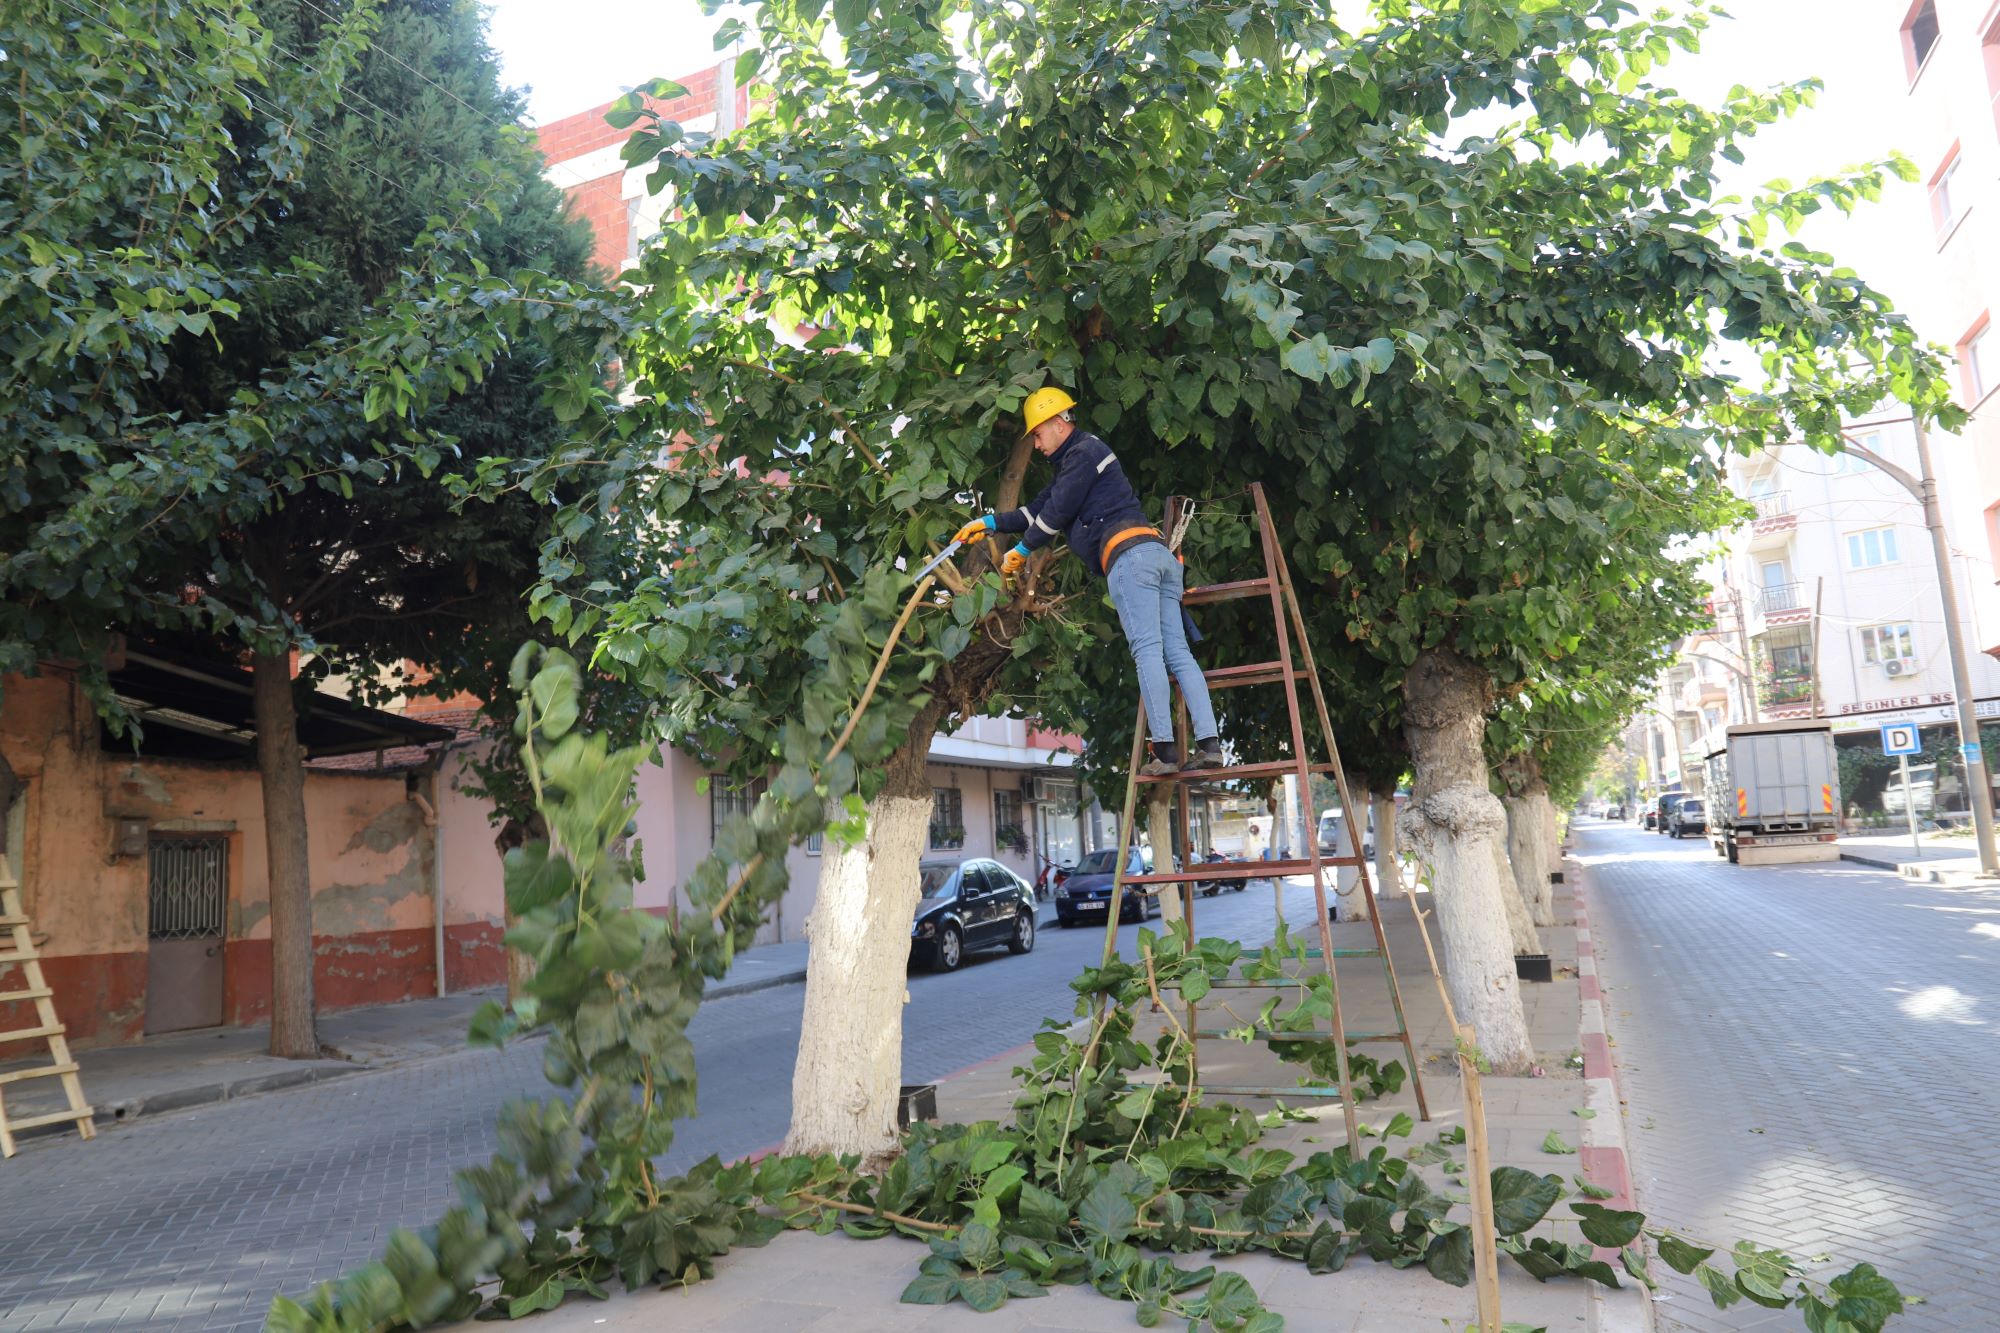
984,1292
930,1289
1449,1257
1678,1254
1521,1198
1106,1213
545,1297
1553,1143
1608,1227
979,1246
1721,1289
1634,1260
1864,1298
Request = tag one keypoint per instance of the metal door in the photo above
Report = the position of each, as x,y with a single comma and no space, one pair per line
187,893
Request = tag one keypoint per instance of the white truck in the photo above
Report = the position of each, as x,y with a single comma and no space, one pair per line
1774,794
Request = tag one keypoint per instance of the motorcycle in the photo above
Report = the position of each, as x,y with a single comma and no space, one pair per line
1051,877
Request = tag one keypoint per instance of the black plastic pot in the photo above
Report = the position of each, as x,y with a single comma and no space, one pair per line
1533,967
917,1101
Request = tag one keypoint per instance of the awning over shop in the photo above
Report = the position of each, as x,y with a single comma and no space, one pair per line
193,707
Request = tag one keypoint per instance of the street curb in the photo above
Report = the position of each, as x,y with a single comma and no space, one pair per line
1605,1160
127,1110
725,988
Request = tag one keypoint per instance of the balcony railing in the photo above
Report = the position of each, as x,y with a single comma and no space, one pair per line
1782,597
1774,689
1775,505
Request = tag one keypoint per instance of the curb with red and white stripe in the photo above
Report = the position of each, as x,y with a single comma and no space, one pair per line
1604,1160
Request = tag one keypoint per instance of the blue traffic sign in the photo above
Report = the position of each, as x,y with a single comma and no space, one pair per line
1900,738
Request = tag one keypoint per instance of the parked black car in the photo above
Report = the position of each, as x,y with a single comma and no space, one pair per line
1690,816
1086,894
1663,820
970,904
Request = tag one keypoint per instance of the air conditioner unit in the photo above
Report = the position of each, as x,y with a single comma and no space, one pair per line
1900,666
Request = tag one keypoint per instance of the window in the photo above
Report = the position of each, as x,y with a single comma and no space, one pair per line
725,802
815,843
1867,549
1842,464
1788,659
1887,643
1944,211
1920,34
1009,834
947,818
1972,356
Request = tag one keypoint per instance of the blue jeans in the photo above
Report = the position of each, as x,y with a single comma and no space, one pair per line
1146,590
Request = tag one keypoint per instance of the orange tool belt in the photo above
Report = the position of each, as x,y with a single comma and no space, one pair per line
1124,535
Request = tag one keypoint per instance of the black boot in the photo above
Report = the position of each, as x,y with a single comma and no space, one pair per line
1166,759
1208,754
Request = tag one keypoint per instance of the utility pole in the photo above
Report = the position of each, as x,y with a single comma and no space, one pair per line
1742,601
1979,785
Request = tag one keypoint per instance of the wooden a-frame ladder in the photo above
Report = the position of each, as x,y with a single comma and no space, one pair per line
1276,584
17,950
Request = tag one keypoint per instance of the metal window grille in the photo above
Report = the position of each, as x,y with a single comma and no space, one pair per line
725,801
187,887
947,818
1007,814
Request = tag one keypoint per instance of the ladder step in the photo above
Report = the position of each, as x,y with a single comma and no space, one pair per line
1277,769
1225,592
23,1034
32,993
46,1071
28,957
1252,673
52,1118
13,920
1304,1034
1242,870
1346,953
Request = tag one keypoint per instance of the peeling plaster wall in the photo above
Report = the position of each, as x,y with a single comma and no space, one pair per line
370,856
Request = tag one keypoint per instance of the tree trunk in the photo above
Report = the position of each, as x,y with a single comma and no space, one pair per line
1527,850
1528,832
1552,824
1160,832
281,766
1452,822
1388,870
1520,925
517,833
850,1061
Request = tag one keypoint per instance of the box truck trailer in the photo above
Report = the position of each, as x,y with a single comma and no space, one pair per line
1774,794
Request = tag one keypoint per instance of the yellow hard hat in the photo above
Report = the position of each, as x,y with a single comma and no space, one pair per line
1043,404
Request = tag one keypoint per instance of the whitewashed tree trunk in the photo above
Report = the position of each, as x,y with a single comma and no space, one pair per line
1453,822
850,1062
1388,870
1520,925
1527,850
1160,832
1552,825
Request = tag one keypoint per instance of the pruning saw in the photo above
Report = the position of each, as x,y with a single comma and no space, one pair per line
942,556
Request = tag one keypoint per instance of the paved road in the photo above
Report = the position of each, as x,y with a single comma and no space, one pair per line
193,1221
1809,1055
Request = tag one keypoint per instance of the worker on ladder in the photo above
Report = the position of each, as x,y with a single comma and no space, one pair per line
1091,499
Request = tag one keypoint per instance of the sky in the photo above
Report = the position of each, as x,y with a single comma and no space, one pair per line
576,54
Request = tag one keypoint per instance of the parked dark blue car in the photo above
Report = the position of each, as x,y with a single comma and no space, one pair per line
970,904
1086,894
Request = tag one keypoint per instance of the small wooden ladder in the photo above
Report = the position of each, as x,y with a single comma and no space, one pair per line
17,949
1276,583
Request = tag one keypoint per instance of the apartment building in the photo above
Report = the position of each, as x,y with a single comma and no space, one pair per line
1950,69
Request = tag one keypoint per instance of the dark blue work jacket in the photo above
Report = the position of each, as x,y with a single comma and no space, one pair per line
1090,499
